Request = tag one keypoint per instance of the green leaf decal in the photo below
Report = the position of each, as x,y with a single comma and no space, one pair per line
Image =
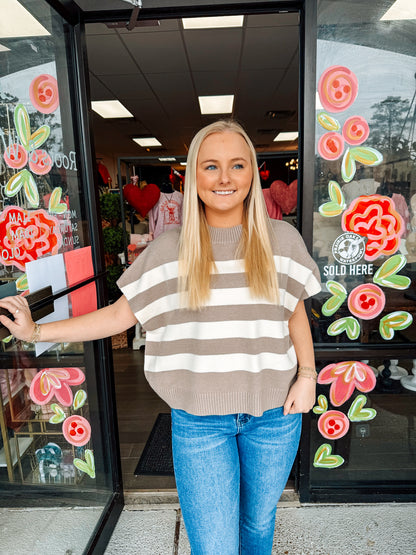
348,324
366,155
324,458
31,189
398,320
358,413
59,415
337,204
39,137
55,204
328,122
15,183
386,274
22,125
87,466
79,399
322,405
339,294
21,283
348,166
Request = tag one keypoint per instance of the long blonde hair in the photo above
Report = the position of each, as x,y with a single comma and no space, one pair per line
196,261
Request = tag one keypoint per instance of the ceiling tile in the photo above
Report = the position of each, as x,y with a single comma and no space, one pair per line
213,49
107,55
271,47
215,82
157,52
130,86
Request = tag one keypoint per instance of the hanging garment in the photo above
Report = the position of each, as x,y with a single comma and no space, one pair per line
166,214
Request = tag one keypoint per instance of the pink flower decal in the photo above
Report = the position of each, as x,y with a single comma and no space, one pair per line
355,130
40,162
55,382
76,430
43,92
375,217
333,424
331,145
366,301
344,377
337,88
15,156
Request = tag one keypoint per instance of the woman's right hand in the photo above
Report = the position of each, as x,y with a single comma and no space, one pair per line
22,327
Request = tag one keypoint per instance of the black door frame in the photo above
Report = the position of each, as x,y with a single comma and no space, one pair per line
307,79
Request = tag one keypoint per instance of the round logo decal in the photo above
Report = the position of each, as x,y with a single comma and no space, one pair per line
348,248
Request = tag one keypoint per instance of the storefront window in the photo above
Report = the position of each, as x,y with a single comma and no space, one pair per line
365,178
54,442
364,237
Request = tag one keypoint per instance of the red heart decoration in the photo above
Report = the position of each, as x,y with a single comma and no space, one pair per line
142,200
264,174
286,196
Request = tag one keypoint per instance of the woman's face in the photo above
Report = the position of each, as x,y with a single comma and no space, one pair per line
223,176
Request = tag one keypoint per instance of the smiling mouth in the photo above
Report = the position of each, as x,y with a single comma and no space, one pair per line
224,193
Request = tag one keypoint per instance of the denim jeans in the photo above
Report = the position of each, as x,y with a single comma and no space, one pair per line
230,472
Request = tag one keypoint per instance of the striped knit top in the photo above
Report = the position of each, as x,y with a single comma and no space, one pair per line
235,355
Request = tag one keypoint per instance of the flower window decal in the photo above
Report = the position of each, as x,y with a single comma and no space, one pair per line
337,90
344,378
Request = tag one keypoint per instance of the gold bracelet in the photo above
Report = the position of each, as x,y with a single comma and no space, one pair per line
310,368
308,372
36,334
307,376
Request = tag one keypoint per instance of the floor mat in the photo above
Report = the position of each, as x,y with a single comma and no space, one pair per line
156,458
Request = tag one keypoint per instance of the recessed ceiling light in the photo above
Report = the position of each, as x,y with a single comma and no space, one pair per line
222,104
289,136
16,21
168,159
147,141
213,22
183,163
110,109
401,9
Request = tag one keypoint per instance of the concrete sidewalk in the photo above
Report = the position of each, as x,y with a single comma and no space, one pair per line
380,529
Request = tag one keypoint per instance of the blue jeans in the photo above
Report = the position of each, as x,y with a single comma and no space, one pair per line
230,473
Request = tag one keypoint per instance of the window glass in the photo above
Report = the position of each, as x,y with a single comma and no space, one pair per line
364,234
54,440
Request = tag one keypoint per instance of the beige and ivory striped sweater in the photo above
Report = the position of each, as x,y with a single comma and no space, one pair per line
235,355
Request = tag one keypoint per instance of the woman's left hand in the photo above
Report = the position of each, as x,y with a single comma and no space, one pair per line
301,396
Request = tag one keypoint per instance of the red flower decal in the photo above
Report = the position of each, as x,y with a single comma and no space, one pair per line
337,88
331,145
375,217
15,156
344,377
366,301
26,235
43,92
50,382
355,130
76,430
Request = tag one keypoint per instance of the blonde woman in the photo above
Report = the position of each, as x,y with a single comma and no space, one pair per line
228,344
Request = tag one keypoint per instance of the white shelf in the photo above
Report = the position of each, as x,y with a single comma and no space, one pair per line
24,444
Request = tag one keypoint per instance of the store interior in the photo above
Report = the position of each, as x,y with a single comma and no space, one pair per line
158,71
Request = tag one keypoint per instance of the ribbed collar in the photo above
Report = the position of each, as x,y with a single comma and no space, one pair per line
225,235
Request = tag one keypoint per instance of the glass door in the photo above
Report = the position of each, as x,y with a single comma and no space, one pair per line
58,442
360,439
